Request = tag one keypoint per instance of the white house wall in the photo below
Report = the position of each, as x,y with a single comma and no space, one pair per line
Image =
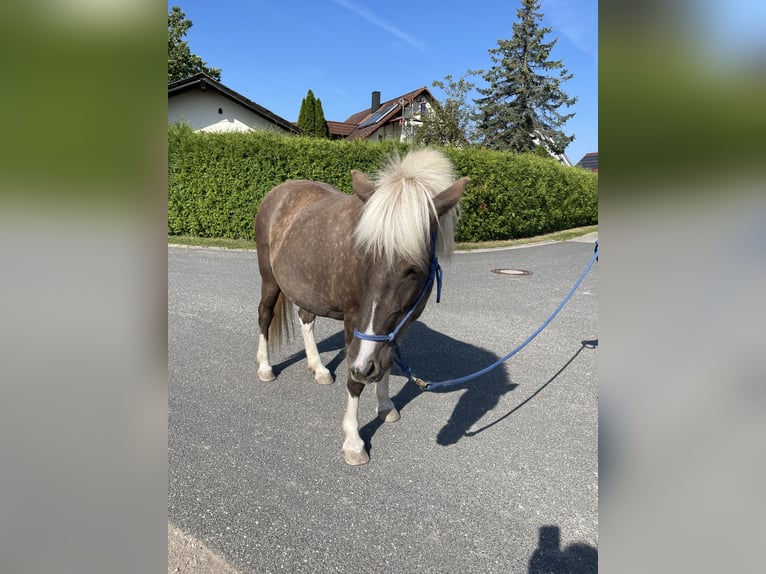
199,110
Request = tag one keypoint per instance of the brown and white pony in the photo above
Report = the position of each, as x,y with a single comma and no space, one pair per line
365,259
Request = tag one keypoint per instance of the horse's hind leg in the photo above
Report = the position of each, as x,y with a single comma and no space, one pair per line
270,293
320,372
265,316
386,409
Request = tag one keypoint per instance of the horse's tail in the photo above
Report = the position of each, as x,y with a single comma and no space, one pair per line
279,329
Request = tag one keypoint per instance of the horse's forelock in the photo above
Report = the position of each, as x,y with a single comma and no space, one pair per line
395,221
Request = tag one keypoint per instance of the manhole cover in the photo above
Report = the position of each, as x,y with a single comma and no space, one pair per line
511,272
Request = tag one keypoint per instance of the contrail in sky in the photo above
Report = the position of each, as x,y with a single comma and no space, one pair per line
380,23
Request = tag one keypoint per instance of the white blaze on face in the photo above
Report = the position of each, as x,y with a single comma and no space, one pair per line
366,348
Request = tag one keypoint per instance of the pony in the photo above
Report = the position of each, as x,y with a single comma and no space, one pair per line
366,259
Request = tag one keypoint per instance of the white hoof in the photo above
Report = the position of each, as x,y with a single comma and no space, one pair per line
355,458
324,378
389,416
266,375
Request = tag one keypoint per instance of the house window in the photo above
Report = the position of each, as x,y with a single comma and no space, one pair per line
422,104
220,110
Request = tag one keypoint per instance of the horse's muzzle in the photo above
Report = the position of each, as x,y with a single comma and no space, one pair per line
367,372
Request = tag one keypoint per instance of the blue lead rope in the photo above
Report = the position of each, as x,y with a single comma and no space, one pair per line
436,274
425,386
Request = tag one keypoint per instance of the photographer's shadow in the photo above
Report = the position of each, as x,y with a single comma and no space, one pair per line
550,558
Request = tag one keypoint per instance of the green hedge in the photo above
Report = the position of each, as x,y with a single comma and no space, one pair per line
217,181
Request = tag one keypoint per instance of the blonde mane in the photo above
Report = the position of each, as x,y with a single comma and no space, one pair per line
396,220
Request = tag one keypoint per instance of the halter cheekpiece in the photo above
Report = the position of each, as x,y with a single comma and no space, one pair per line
435,272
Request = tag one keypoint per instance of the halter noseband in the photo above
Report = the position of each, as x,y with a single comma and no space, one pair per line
435,272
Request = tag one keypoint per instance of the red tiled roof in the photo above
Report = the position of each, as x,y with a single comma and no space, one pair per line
340,128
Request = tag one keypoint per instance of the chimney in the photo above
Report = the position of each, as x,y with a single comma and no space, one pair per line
375,102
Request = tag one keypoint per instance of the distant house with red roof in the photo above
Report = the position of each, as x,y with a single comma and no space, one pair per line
397,118
589,161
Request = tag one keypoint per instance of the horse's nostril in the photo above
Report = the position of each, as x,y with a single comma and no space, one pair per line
368,369
365,371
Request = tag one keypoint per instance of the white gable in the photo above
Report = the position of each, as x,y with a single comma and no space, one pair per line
211,111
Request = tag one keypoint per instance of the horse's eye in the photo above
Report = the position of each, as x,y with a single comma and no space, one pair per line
411,272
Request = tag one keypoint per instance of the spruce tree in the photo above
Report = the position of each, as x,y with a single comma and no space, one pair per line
519,109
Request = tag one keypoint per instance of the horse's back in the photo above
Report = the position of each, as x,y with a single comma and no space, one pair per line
292,202
304,232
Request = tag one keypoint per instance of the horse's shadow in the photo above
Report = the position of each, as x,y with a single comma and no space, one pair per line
436,357
334,342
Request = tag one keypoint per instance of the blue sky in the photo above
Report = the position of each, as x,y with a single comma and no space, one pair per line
274,52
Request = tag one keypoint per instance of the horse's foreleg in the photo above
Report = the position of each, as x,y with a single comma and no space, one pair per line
386,409
320,372
353,446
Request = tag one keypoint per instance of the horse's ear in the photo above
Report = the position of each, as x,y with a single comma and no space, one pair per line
448,198
363,186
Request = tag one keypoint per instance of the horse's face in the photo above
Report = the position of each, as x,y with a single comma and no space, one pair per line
391,285
388,294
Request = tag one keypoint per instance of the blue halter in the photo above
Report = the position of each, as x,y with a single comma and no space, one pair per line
435,272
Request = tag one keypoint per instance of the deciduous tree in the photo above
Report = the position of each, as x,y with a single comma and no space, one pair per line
181,62
451,122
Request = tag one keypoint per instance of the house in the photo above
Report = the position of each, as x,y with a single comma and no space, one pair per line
589,161
397,118
539,139
208,105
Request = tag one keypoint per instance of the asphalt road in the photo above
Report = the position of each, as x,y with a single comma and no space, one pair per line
499,475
